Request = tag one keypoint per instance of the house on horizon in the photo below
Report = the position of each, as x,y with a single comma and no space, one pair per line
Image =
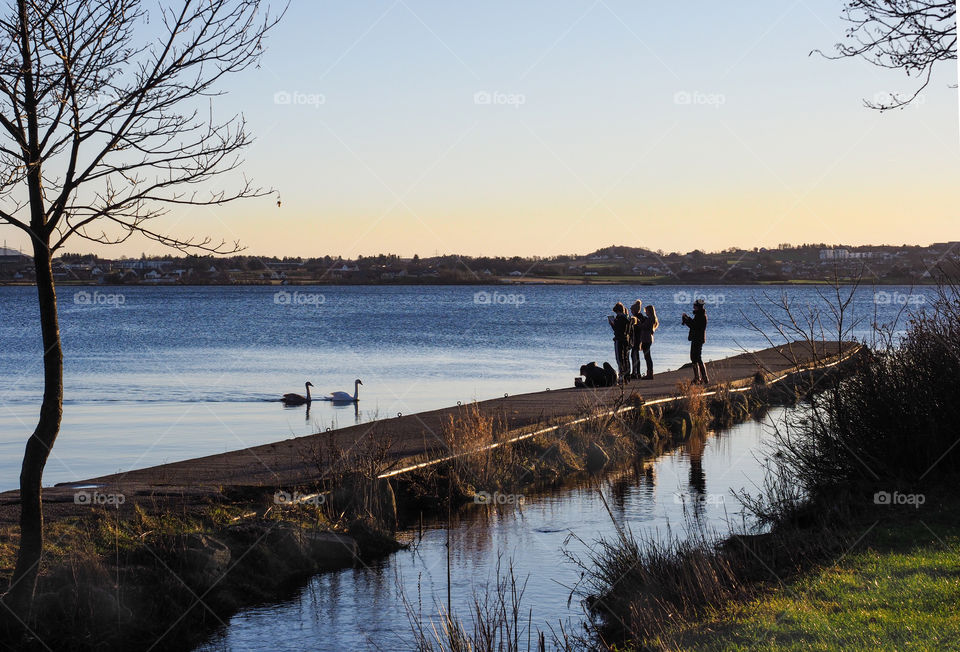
11,260
834,254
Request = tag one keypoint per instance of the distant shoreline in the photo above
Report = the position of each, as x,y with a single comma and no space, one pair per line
491,283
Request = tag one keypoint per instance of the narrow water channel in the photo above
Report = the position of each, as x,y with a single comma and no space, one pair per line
363,608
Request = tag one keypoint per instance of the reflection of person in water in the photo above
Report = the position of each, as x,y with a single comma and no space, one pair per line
698,479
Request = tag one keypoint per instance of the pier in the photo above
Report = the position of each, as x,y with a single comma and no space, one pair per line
417,440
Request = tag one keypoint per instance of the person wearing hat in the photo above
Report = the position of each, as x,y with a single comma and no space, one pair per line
698,335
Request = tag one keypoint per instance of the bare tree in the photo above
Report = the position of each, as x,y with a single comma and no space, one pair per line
908,35
102,129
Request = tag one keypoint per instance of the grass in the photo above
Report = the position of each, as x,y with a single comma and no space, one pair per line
556,456
831,569
797,281
600,278
898,590
124,579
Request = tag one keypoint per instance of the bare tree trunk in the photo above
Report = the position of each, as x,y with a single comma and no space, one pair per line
23,584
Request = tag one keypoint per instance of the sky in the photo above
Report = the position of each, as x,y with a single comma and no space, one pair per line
553,127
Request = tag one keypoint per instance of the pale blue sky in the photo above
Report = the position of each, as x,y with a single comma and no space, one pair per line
583,143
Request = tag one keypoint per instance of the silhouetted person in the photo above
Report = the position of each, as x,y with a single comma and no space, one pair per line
697,336
621,324
645,331
594,376
609,375
697,479
636,311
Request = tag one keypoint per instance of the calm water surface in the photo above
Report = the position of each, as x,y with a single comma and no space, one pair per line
363,608
157,374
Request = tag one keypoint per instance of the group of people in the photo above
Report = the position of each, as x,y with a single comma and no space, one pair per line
633,333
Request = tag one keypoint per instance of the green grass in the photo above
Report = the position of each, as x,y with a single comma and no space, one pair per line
607,278
797,281
625,278
898,589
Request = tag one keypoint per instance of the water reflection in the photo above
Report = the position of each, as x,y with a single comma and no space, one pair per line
362,608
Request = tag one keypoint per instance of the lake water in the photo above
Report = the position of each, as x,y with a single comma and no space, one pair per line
363,608
158,374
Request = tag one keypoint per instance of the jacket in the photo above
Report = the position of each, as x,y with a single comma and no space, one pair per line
697,326
645,331
620,325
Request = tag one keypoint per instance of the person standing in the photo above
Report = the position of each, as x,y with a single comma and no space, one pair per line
636,311
697,336
645,329
622,326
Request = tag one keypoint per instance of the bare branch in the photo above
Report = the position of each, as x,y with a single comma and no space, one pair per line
106,119
908,35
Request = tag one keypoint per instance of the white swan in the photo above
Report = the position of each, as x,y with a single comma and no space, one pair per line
296,399
343,397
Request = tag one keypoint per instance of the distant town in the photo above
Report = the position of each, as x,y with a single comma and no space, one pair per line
808,263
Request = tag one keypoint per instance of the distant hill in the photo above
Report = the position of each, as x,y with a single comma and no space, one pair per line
626,252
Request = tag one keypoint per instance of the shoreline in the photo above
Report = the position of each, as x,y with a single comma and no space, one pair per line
203,530
499,283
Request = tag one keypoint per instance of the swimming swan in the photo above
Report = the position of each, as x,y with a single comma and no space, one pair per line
343,397
296,399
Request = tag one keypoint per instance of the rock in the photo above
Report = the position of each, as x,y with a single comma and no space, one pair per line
597,458
287,544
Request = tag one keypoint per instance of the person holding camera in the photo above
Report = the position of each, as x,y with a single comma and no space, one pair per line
697,336
622,325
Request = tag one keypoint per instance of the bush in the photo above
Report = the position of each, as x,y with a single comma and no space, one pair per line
894,422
